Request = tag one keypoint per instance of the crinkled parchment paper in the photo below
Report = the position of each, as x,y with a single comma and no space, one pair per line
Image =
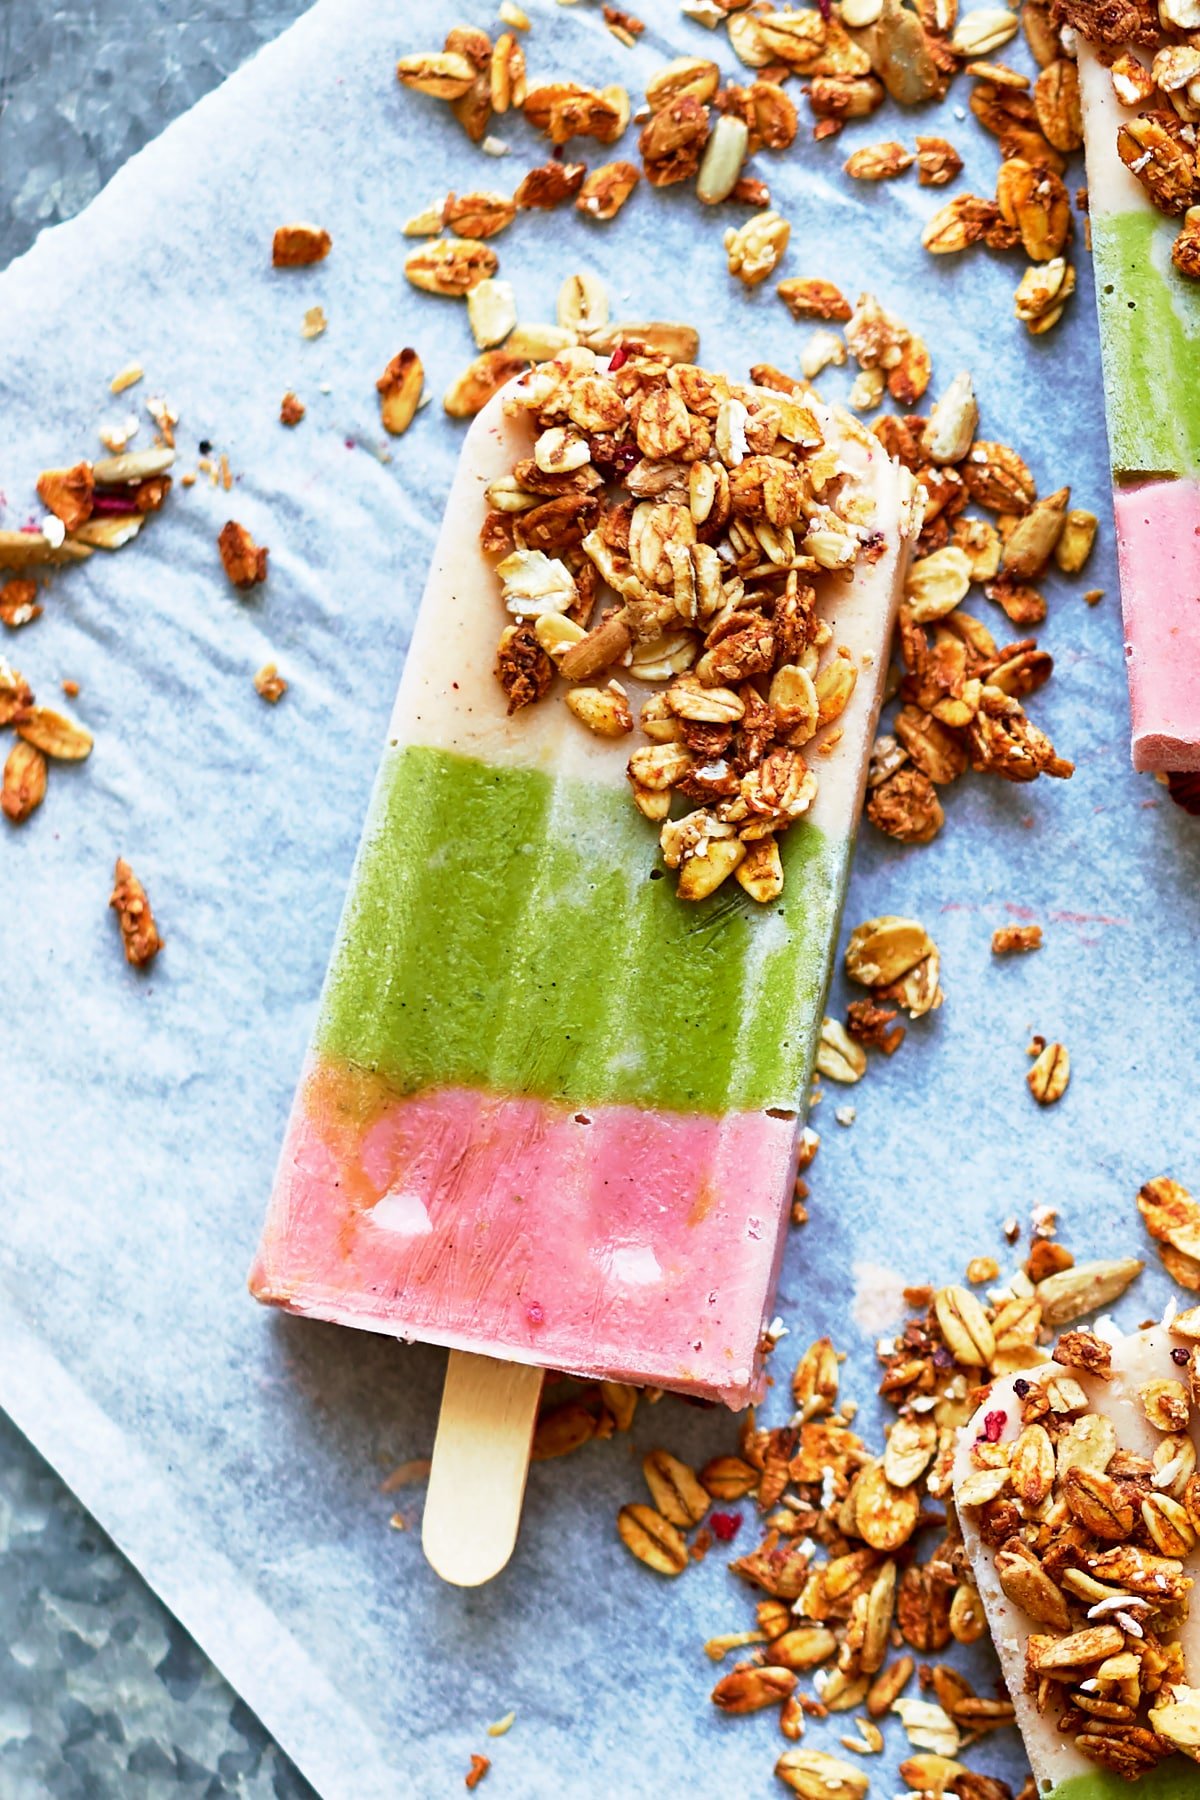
234,1454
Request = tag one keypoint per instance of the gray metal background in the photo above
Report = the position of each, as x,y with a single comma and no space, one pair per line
103,1695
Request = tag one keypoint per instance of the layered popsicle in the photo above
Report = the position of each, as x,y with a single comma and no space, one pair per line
1079,1501
1138,80
551,1104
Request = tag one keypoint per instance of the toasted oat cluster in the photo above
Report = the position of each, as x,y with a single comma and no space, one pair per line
1089,1537
1157,145
694,513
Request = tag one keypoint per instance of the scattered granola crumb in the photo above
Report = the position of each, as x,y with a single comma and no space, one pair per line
1009,938
165,417
625,27
938,162
1049,1077
291,409
846,1115
117,436
754,250
874,1026
1093,596
502,1726
809,297
405,1474
295,246
19,603
479,1768
138,929
244,561
400,388
269,683
70,687
315,322
24,782
878,162
127,377
68,493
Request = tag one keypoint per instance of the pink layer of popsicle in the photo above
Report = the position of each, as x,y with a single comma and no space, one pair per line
588,1242
1158,539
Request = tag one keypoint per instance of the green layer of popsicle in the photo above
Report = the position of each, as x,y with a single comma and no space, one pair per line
1150,337
504,930
1177,1779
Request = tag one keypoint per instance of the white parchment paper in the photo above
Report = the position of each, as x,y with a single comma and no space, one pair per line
235,1454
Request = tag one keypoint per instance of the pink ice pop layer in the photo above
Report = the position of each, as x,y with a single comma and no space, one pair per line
524,1229
1158,541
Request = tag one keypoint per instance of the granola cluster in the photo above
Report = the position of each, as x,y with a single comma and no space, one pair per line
1157,143
695,512
961,693
1089,1538
139,930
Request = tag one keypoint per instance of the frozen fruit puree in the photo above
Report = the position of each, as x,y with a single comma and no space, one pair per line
1150,339
550,1109
1176,1779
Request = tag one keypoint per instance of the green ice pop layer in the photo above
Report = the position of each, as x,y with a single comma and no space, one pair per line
1150,335
528,901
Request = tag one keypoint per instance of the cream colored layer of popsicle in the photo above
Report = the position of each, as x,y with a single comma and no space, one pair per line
449,698
1141,1357
1111,188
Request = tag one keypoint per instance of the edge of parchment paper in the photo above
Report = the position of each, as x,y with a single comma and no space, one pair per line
254,1651
331,1745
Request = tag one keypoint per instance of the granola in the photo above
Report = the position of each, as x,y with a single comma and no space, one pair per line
269,684
704,508
139,932
846,1594
296,246
244,561
1007,939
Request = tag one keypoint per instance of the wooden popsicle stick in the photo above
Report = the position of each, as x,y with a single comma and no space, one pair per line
480,1462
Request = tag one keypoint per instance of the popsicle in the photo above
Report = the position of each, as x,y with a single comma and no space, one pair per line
1079,1502
1150,340
550,1110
